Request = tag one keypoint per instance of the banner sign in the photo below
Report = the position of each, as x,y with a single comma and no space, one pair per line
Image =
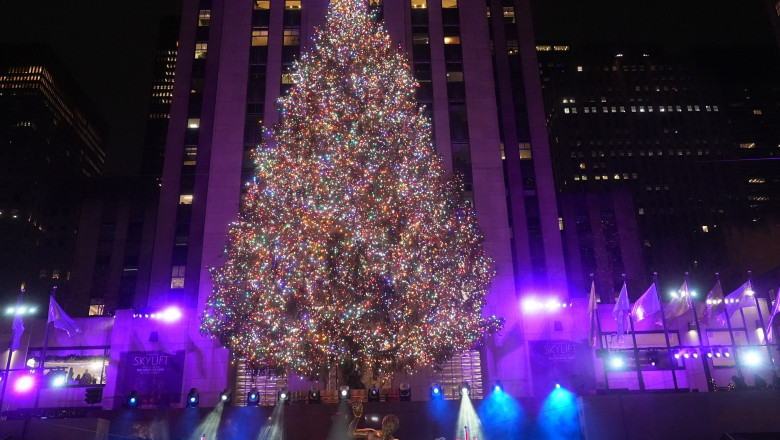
567,363
155,375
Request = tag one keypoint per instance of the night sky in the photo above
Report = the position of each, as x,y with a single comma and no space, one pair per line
108,46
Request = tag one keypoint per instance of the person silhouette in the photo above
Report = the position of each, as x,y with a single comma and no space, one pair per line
390,424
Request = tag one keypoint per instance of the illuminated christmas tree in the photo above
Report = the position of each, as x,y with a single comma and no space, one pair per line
352,244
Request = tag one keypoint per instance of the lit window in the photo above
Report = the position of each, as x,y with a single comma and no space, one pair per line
560,223
560,48
204,17
193,123
177,277
452,40
420,38
190,155
705,228
641,211
262,4
543,48
200,50
292,37
579,68
747,146
566,110
752,180
454,76
96,309
449,3
419,4
509,13
55,274
185,199
288,78
584,177
292,4
259,37
524,148
757,112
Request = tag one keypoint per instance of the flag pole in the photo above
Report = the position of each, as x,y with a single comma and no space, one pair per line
43,351
731,331
761,320
704,359
666,331
637,365
10,351
601,342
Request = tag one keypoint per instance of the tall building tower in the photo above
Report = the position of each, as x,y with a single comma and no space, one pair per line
52,138
161,97
637,121
233,63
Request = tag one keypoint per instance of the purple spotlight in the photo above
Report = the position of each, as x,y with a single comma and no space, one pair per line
171,314
24,384
695,355
677,355
727,354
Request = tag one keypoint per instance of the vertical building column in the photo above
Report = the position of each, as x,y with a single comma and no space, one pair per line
504,355
540,148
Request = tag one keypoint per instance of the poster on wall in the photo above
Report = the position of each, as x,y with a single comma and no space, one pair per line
155,375
567,363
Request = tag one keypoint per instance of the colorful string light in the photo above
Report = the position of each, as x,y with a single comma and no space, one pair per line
352,244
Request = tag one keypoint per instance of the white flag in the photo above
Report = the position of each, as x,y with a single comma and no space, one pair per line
775,309
740,298
647,304
680,302
620,312
714,305
592,309
18,327
61,320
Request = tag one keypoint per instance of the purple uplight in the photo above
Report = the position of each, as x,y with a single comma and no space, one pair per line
536,305
171,314
24,384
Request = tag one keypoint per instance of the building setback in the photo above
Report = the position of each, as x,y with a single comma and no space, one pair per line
233,63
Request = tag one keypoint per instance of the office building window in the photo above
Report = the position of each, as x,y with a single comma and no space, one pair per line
449,3
260,37
292,36
193,123
452,40
185,199
204,17
200,51
292,4
263,4
177,277
419,4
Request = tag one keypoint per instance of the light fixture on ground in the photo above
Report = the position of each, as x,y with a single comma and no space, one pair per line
373,393
283,395
314,395
193,398
498,387
253,397
616,361
436,391
405,392
133,400
465,389
344,393
752,358
226,396
557,386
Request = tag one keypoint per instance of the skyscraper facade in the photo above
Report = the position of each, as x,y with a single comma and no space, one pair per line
476,66
52,139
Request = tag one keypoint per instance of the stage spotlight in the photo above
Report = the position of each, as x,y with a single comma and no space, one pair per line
283,395
652,357
59,380
405,392
709,354
557,386
498,387
727,354
253,397
617,362
24,384
677,355
695,355
193,398
752,358
133,400
344,393
226,396
314,395
465,389
373,393
686,355
436,391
